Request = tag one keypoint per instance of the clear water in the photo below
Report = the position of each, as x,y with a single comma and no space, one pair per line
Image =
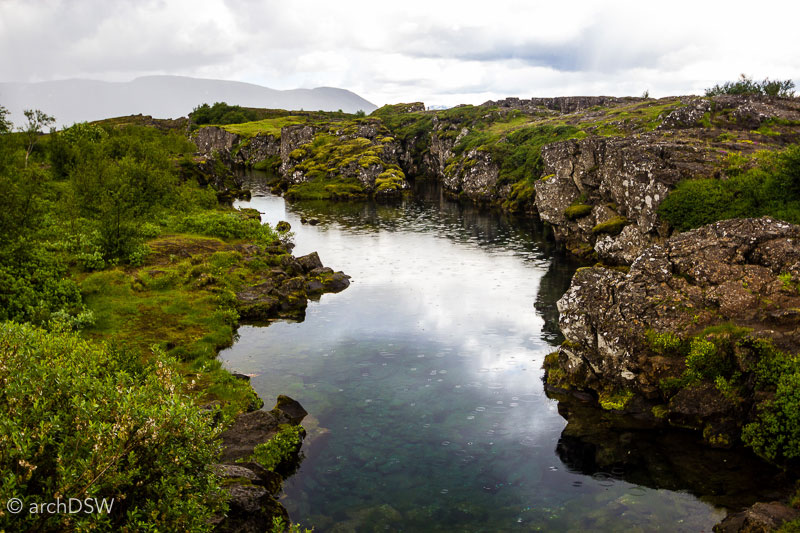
423,380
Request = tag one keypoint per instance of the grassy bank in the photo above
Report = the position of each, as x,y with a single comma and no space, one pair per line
118,274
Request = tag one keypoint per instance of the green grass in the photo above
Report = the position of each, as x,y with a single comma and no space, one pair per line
268,126
171,304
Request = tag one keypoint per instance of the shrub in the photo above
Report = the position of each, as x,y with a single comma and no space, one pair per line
772,188
82,420
746,85
775,434
222,113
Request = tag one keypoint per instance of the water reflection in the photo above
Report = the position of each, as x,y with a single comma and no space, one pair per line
424,382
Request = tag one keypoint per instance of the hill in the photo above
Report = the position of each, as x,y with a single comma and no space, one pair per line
73,101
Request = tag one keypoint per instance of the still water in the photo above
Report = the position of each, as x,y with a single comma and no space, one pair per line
423,380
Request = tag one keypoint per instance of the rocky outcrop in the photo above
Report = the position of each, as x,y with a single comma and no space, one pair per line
560,104
627,332
473,174
284,291
252,490
624,179
618,177
213,141
355,158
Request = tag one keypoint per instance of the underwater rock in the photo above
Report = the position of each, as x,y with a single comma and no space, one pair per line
759,518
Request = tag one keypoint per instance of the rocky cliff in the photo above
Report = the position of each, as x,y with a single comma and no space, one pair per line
313,158
234,148
687,333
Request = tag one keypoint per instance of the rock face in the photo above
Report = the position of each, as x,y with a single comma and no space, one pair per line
624,330
625,178
619,177
233,148
560,104
361,151
252,490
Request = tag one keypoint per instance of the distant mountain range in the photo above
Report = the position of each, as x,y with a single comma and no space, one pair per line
71,101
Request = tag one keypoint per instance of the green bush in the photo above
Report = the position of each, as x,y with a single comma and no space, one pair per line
222,113
746,85
775,434
82,420
772,188
33,285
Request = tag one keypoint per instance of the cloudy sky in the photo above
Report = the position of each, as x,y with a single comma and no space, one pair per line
439,52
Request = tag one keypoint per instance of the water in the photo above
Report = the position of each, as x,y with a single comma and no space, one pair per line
423,380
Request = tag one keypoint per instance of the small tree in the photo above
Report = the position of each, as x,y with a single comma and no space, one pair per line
36,121
5,124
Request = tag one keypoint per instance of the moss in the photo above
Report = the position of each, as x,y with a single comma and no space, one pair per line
521,196
270,164
185,306
612,226
665,343
367,161
389,180
577,210
298,153
551,360
788,283
717,440
615,400
660,411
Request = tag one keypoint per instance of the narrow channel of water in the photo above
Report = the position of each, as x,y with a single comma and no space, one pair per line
423,380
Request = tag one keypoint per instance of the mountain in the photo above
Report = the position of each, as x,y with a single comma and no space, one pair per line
71,101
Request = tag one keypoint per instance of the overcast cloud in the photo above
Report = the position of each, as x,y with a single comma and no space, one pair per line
439,52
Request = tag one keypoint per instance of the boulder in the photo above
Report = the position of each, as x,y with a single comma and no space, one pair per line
309,262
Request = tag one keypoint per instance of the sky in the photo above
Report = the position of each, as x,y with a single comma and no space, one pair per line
440,52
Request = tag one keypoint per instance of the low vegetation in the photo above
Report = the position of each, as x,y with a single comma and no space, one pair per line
86,420
117,279
771,187
746,85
